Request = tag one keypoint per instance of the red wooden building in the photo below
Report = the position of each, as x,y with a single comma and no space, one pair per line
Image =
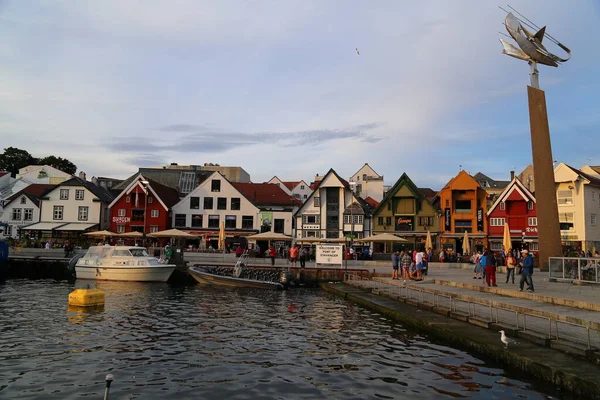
143,206
516,206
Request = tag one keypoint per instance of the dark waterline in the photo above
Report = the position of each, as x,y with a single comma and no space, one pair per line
165,342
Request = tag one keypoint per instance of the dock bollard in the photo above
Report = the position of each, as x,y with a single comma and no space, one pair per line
109,378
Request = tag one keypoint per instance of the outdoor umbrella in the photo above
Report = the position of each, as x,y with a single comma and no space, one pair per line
269,236
506,241
172,233
309,241
133,234
102,234
466,245
382,238
221,245
337,240
428,241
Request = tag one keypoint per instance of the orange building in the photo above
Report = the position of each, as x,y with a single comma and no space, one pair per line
463,207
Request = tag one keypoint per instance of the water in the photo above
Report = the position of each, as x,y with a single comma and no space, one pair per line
165,342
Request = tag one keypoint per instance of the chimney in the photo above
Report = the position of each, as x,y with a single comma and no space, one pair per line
82,175
512,175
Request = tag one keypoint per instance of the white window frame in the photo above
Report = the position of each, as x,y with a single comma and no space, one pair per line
496,246
64,194
532,221
79,194
121,212
497,221
593,219
150,199
568,217
502,205
23,200
127,199
154,213
153,228
58,213
17,214
120,228
83,213
564,200
28,214
530,205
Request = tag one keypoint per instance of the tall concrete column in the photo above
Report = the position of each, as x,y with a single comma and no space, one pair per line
543,171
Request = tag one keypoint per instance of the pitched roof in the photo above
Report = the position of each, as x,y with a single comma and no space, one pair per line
517,185
291,185
480,178
372,202
169,196
101,193
404,179
265,194
33,192
592,179
428,193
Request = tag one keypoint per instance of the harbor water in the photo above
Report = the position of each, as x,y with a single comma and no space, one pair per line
189,342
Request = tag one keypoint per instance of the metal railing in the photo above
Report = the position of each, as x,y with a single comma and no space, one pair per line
570,269
543,326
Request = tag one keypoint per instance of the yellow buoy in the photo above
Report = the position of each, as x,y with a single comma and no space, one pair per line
86,297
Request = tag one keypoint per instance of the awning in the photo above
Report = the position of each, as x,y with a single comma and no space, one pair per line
74,226
44,226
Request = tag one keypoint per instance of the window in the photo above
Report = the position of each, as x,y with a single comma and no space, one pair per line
221,203
213,221
137,215
230,222
150,199
495,222
153,228
496,246
58,212
301,187
530,205
82,213
127,200
120,228
278,225
358,219
215,185
566,221
310,234
23,200
364,177
464,206
388,220
79,194
16,214
194,203
532,221
247,222
154,213
305,197
379,220
235,203
565,197
196,220
121,212
64,194
317,202
208,203
461,226
28,214
447,203
502,205
180,220
311,219
593,219
187,182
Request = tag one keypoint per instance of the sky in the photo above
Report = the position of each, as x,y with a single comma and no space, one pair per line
278,88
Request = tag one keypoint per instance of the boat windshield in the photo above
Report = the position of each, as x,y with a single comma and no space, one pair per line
139,252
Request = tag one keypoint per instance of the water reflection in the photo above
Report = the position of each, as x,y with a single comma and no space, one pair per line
164,342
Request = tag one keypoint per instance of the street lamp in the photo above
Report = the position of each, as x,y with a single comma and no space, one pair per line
352,185
145,189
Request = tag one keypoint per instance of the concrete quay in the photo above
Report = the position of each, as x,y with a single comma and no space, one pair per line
558,368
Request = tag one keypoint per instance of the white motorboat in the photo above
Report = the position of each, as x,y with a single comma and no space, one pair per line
122,263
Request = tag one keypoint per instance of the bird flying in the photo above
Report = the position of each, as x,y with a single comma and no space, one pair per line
506,340
357,52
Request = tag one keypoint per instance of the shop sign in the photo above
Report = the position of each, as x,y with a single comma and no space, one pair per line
404,223
480,219
531,229
121,220
447,220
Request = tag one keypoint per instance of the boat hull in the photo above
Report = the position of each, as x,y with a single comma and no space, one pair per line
154,273
206,278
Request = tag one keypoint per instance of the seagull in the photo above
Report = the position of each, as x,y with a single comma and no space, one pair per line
357,52
506,340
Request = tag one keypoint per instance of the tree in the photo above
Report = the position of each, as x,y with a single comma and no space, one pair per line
59,163
14,159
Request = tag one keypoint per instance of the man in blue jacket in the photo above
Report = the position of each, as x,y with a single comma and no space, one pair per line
527,264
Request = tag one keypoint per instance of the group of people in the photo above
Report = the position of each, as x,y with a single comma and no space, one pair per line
296,254
413,264
487,262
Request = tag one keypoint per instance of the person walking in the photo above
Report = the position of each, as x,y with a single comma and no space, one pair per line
303,257
272,254
478,268
395,264
526,274
482,263
293,255
406,260
419,265
511,264
490,269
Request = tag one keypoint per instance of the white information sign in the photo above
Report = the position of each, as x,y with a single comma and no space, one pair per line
329,254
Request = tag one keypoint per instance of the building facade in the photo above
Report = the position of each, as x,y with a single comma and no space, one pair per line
21,210
368,183
298,189
333,211
578,196
515,206
406,212
43,174
463,206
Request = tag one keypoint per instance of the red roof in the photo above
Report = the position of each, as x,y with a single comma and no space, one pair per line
33,191
168,195
264,194
291,185
372,202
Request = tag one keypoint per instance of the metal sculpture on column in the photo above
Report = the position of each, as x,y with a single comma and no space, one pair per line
534,52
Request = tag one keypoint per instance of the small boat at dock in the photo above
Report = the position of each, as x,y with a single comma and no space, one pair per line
210,276
122,263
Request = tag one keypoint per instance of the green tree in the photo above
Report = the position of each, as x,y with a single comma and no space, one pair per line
59,163
14,159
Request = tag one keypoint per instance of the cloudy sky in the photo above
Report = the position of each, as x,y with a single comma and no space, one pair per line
278,88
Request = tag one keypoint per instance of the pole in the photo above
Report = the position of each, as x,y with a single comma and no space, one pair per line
145,211
109,378
535,76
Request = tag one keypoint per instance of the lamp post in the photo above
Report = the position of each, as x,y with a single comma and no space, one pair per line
145,189
352,185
